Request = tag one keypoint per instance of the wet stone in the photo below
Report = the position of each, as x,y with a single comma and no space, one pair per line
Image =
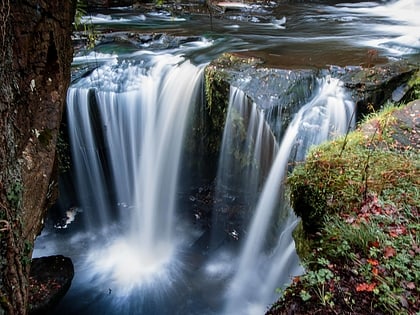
49,280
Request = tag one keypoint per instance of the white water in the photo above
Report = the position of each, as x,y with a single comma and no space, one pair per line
399,31
248,147
327,115
131,260
141,113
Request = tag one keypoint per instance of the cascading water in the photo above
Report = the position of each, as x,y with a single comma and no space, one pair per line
130,268
127,123
330,113
248,148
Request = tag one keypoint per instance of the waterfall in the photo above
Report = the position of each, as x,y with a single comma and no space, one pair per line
248,147
260,271
127,123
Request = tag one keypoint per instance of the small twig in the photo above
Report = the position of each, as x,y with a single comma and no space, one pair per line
347,132
6,226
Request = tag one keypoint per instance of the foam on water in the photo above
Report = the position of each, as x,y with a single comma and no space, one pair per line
397,25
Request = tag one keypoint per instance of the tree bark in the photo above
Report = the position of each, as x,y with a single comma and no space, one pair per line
35,58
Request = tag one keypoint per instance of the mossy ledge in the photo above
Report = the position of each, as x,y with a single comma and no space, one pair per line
359,200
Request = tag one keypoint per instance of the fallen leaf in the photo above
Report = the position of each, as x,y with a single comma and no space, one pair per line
373,262
367,287
389,251
397,230
411,285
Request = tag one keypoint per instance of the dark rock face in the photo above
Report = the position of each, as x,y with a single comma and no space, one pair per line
372,87
35,58
49,280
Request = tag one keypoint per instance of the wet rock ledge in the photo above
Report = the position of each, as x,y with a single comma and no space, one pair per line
49,280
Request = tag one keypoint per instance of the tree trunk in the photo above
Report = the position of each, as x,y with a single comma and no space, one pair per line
35,57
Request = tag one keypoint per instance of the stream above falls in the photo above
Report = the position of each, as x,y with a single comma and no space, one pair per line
297,35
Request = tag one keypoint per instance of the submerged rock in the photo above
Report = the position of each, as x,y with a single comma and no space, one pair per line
49,280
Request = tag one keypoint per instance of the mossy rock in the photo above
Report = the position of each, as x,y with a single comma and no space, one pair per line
303,243
379,158
207,122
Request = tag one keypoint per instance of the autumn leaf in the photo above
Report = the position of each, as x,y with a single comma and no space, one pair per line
374,244
389,251
397,230
365,287
372,262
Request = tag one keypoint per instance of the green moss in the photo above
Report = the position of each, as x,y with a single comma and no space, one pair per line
45,137
14,194
359,197
217,100
218,77
338,175
303,243
414,84
63,153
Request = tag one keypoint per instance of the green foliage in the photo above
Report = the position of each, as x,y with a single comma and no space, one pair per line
81,7
88,28
159,3
335,179
318,279
27,251
414,84
14,194
349,239
364,197
63,153
217,97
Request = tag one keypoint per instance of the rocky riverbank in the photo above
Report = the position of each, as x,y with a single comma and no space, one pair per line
363,190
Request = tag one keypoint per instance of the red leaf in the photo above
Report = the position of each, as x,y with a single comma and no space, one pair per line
367,287
397,230
373,262
389,251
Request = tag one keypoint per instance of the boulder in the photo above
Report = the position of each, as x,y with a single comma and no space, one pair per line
49,280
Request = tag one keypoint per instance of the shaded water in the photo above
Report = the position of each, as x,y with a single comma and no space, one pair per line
134,248
248,148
